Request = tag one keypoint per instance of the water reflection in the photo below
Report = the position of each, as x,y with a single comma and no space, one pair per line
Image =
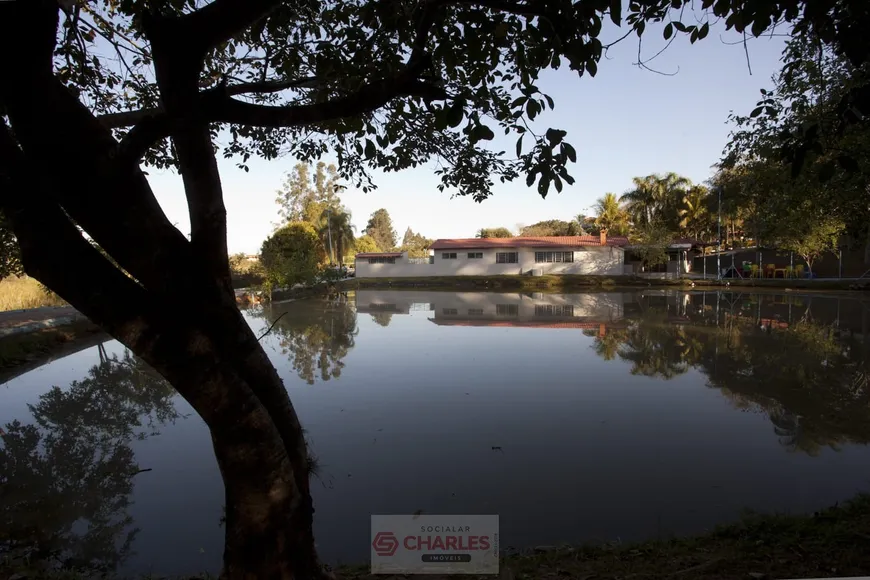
315,335
616,411
66,479
764,353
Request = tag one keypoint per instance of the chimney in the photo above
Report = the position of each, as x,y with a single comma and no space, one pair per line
603,235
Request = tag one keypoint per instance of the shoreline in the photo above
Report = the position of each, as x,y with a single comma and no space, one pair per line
30,349
585,283
833,542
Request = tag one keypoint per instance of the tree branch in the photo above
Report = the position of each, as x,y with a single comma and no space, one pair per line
51,124
367,99
221,20
131,118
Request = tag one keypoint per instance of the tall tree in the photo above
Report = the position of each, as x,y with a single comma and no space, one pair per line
494,233
167,81
656,198
304,197
694,212
380,228
832,178
417,245
611,216
336,232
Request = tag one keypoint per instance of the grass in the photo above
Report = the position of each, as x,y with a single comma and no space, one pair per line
833,542
24,292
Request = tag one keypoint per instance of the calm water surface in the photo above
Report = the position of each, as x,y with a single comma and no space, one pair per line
615,416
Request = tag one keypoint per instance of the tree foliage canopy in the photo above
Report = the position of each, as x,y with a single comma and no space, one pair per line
494,233
292,255
366,244
417,245
553,228
305,197
380,229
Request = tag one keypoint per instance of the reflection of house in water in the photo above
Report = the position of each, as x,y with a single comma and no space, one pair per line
595,310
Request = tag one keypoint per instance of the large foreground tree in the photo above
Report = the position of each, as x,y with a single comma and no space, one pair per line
94,90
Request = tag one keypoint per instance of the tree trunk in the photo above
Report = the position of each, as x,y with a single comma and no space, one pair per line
867,248
61,169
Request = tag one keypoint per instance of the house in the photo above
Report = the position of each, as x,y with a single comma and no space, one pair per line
594,255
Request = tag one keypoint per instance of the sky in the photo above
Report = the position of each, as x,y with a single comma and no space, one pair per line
624,122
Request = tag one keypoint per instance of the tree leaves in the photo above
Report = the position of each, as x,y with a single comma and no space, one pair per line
455,113
616,12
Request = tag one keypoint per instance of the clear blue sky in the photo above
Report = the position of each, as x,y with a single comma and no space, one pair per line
625,122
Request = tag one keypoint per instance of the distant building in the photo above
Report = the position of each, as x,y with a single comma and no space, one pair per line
595,255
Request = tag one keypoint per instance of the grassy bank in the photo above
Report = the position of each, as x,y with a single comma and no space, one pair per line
830,543
24,292
834,542
577,282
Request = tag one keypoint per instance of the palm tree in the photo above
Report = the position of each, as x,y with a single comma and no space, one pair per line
694,214
335,223
655,198
611,216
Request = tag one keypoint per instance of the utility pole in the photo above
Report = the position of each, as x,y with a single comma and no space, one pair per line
719,241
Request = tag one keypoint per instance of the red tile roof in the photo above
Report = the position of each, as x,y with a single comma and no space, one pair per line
380,255
526,242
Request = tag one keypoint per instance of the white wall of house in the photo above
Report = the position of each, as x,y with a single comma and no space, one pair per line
592,260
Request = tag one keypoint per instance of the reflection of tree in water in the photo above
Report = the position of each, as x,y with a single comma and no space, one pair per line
382,318
811,381
653,348
316,335
65,481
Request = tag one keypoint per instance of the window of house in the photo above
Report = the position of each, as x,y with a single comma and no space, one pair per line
550,257
507,309
449,311
448,256
475,255
506,258
551,310
475,311
382,260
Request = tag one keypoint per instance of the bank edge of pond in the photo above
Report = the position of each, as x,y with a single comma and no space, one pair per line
27,350
834,542
578,282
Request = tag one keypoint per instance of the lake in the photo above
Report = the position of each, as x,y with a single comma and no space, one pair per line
601,416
